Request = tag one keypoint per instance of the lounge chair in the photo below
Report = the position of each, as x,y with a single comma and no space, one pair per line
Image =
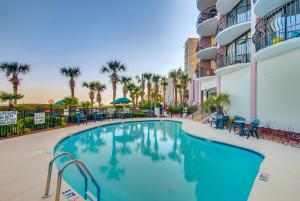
110,113
81,117
98,116
253,129
127,113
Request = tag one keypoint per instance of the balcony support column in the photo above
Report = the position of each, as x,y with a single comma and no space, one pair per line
253,90
218,79
253,71
199,98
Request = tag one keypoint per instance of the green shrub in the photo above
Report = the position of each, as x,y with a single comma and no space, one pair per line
31,106
139,114
147,105
178,109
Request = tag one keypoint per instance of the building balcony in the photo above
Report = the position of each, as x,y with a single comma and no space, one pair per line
235,23
278,32
204,72
263,7
226,60
207,22
228,64
234,56
207,48
225,6
204,4
205,69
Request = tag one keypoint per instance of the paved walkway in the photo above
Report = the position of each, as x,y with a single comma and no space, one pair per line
24,161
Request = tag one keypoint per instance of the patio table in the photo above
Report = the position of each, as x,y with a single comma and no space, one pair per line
241,124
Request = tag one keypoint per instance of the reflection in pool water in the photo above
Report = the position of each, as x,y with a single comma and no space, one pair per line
157,161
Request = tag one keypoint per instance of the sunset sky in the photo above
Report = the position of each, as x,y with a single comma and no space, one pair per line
146,35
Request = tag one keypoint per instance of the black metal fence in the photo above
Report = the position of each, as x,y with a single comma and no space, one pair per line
241,13
27,120
279,25
237,52
208,13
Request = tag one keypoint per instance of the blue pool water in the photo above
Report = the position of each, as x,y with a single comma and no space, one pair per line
157,161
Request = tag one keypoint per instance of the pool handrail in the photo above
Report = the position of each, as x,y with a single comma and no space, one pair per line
85,172
47,189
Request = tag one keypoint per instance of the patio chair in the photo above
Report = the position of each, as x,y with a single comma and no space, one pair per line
235,124
81,117
253,129
127,113
211,120
217,120
111,114
225,122
98,116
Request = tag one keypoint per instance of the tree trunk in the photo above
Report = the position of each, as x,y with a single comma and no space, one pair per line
164,94
125,91
132,98
114,85
142,92
148,91
99,98
176,101
15,89
156,94
92,96
10,105
72,87
136,100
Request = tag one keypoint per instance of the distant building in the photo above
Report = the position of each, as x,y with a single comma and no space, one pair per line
190,58
190,65
170,92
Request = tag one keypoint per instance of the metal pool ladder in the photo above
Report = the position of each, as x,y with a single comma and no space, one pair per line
83,170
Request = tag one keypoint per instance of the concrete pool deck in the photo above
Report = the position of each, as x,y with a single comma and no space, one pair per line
24,162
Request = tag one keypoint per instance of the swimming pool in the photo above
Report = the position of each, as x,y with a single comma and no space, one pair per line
158,161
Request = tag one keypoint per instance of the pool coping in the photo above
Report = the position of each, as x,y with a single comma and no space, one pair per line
284,177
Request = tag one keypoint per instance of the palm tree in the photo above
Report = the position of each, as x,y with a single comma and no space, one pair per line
220,102
99,88
10,98
141,81
125,80
136,94
179,88
113,68
131,88
148,77
92,87
164,84
69,102
13,70
85,104
173,75
184,79
72,73
155,80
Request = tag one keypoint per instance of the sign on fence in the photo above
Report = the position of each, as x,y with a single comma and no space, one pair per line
8,117
66,112
39,118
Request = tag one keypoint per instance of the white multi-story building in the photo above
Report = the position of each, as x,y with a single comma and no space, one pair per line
250,50
170,92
